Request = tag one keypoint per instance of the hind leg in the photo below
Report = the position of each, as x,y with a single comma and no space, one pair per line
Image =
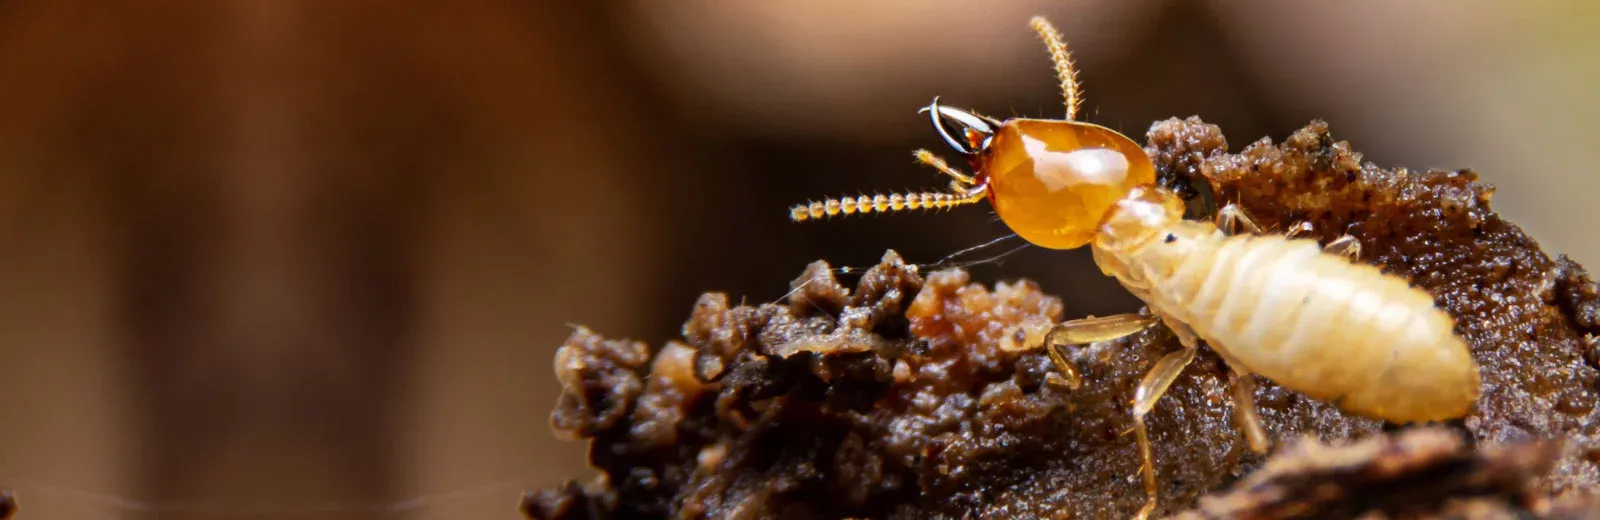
1300,228
1244,395
1346,245
1244,411
1232,217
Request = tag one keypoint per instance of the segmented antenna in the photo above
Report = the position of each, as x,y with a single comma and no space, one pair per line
1063,61
882,204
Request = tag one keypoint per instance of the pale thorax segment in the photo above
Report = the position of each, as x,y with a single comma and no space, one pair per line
1125,242
1316,323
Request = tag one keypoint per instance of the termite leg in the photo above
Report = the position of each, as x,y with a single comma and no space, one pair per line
1090,330
1151,388
1231,217
1346,245
928,158
1147,466
1166,370
1302,228
1244,399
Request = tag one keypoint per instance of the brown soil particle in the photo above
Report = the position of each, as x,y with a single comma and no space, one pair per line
1419,473
913,397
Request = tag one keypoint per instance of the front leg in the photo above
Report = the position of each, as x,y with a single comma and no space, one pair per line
1086,331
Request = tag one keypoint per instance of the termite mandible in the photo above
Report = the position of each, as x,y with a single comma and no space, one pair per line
1301,314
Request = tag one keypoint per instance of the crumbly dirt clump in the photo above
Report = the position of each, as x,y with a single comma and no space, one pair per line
1418,473
921,397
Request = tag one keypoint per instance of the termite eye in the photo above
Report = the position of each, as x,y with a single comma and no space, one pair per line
976,130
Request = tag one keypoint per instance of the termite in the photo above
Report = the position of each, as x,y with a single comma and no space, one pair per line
1307,316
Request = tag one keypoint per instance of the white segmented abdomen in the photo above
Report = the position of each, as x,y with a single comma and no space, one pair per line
1314,322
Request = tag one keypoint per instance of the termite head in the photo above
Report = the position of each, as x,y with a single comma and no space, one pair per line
1052,181
1139,218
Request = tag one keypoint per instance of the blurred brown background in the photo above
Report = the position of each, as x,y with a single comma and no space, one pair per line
296,259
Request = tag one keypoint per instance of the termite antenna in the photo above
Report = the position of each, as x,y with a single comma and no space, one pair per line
928,158
885,204
1063,60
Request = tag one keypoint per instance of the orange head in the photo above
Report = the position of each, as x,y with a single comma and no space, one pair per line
1051,181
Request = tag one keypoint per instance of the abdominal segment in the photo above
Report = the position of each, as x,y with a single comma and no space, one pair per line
1319,324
